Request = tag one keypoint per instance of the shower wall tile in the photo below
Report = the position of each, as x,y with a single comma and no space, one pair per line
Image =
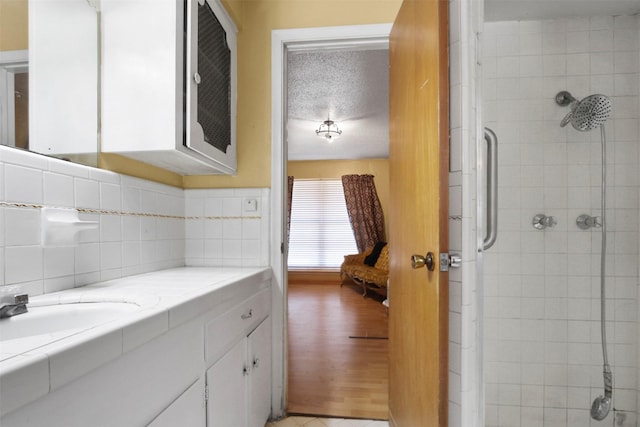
542,288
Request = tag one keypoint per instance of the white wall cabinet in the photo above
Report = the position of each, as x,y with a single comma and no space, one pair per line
240,382
170,99
63,79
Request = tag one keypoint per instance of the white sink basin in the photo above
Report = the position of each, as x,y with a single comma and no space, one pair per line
42,325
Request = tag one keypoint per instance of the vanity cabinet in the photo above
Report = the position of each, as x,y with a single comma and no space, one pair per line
169,84
227,400
238,347
259,352
131,390
211,367
240,383
186,410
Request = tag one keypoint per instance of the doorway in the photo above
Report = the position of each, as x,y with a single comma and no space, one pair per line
283,42
14,99
337,124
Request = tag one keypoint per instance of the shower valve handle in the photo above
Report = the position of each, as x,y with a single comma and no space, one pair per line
542,221
585,222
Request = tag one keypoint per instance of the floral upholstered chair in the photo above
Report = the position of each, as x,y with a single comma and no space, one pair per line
370,269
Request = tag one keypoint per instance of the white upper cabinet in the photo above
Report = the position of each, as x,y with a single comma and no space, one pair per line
63,84
169,84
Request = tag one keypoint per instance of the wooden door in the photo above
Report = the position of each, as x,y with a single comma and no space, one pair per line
419,159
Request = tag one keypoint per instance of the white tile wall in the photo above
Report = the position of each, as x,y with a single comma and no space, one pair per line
542,304
143,226
113,250
222,229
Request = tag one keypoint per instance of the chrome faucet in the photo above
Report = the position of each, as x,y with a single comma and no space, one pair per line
585,222
18,306
542,221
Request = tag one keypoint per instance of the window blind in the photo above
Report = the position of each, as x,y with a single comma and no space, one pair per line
320,234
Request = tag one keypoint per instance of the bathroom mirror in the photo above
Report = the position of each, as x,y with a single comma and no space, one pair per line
62,70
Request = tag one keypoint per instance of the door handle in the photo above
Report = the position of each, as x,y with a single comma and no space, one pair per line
492,188
419,261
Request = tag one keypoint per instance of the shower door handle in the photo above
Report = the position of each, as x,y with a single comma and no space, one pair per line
492,189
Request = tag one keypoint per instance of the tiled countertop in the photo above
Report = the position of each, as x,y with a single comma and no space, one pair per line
168,298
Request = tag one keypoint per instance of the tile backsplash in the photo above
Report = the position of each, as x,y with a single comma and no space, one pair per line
227,227
143,226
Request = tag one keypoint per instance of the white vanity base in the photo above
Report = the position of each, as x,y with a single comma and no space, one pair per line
155,367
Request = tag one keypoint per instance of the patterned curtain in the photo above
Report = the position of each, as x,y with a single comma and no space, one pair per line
289,197
365,211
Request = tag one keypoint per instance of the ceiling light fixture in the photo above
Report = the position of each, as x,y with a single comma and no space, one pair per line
328,130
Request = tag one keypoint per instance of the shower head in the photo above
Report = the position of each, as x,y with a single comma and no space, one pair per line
602,404
586,114
600,408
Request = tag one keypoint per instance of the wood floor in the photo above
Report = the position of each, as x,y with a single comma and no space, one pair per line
337,352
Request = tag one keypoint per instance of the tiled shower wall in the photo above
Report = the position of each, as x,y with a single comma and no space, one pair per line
543,358
142,225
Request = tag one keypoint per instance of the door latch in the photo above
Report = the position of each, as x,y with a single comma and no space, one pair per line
449,261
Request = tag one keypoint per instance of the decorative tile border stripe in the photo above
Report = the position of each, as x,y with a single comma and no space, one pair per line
222,217
124,213
21,205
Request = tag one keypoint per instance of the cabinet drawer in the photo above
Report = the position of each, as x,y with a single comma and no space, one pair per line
223,331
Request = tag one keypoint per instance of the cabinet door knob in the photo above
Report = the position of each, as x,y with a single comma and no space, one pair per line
256,362
248,315
196,78
245,370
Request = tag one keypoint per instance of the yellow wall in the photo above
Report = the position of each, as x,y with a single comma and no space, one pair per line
336,168
255,20
131,167
14,31
235,10
260,17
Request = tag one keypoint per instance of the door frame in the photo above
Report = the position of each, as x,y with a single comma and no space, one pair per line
282,41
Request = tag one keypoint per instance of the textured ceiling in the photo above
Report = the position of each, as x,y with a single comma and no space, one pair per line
352,87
